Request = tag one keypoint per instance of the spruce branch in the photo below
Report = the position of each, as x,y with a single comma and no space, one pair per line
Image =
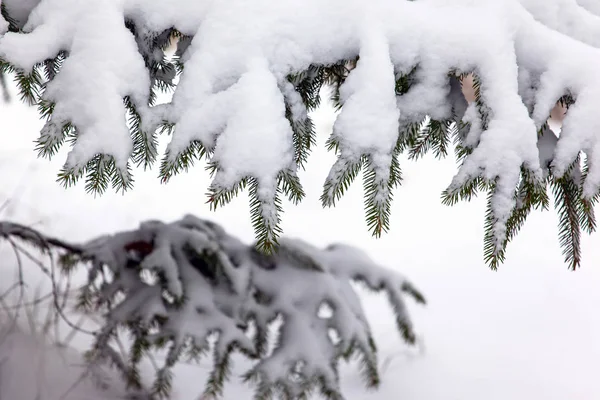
13,26
226,287
566,199
588,216
407,139
52,66
341,176
434,137
573,212
99,172
378,187
219,373
145,144
405,81
466,192
52,137
173,164
531,195
265,211
306,68
219,197
29,85
308,84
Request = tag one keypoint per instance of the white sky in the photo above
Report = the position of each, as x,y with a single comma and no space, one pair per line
529,331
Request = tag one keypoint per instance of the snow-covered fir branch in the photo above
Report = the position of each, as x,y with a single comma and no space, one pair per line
245,75
191,288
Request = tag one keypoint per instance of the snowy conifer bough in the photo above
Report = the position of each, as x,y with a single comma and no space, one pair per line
191,287
245,74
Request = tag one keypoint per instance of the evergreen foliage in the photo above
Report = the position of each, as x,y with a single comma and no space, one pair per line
189,290
440,122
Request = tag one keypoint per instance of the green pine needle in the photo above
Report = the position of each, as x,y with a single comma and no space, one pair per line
338,182
29,85
99,172
218,197
588,216
12,23
163,384
220,372
530,196
405,81
145,144
290,186
378,194
408,137
171,166
465,192
265,216
435,137
570,210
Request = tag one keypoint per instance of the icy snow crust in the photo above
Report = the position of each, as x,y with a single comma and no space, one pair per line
229,287
230,97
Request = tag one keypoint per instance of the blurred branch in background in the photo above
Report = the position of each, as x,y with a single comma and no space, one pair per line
38,326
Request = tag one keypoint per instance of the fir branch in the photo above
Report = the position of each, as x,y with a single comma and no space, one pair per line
405,81
588,216
152,46
567,100
100,170
98,179
219,197
308,84
566,199
29,85
493,254
173,164
407,138
434,137
531,195
52,137
265,211
145,144
378,193
367,364
327,391
340,178
335,75
13,26
290,185
466,192
220,372
163,384
265,207
304,138
53,65
484,111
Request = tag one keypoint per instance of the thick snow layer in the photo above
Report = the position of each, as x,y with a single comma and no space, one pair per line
229,96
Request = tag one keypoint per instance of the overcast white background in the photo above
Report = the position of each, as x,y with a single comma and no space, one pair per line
528,331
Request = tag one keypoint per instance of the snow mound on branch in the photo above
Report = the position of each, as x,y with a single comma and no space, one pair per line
208,282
